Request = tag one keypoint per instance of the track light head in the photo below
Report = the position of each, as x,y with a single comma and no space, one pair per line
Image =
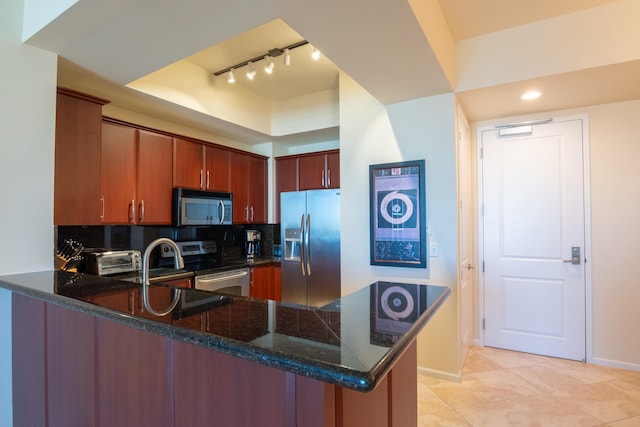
231,78
316,54
287,57
252,72
268,68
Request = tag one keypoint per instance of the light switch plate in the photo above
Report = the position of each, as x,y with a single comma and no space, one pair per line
433,250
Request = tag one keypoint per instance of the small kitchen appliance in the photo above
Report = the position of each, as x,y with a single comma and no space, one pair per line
106,262
252,242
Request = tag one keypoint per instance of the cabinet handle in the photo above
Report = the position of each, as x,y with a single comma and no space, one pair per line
102,208
251,213
201,183
132,207
246,214
208,180
322,180
328,178
141,210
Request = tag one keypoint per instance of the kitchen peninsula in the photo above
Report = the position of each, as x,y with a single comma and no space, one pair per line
85,352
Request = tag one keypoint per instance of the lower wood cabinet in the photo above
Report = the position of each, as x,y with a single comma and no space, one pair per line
265,282
73,369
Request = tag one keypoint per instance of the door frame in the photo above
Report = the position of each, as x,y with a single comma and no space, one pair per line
587,222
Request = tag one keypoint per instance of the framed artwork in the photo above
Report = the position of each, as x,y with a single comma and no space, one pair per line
398,218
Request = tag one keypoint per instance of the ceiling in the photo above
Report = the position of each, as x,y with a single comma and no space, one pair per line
367,49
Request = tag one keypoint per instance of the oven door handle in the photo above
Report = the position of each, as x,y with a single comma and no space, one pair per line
203,279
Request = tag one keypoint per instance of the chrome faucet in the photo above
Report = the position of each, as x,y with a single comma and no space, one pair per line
178,262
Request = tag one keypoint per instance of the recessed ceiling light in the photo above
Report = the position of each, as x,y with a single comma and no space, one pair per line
532,94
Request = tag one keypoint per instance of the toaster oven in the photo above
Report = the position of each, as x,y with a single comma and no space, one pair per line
104,263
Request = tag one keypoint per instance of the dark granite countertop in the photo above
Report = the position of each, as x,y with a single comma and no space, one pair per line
352,342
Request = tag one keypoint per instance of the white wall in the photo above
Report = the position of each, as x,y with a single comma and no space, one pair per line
615,228
27,120
372,134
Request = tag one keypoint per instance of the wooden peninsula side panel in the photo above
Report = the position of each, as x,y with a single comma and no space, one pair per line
69,364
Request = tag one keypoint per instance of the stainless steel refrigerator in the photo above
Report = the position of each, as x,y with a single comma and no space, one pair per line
310,237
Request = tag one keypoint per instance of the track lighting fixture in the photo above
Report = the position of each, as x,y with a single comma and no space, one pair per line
268,58
252,72
268,68
287,57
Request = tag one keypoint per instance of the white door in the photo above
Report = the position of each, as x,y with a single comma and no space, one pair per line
533,227
465,308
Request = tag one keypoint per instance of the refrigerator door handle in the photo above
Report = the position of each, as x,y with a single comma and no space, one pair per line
307,245
302,234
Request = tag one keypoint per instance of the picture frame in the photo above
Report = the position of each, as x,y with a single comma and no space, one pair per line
397,214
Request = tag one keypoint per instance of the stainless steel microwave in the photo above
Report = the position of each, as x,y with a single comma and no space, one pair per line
197,207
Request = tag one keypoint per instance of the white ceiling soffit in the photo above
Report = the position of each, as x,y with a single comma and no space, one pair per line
379,44
472,18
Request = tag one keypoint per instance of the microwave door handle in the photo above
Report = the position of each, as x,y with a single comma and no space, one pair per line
221,211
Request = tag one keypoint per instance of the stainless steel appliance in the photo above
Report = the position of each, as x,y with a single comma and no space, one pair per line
234,282
310,233
196,207
199,257
105,262
252,243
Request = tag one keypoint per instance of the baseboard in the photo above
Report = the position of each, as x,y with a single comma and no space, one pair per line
457,378
616,364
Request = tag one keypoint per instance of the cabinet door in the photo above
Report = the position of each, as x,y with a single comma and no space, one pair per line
118,173
154,180
259,280
333,170
257,190
188,164
238,178
286,179
217,168
312,172
77,161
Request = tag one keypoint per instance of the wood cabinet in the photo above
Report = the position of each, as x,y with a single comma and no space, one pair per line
200,166
154,178
286,179
320,170
248,183
118,174
265,282
312,171
136,179
77,159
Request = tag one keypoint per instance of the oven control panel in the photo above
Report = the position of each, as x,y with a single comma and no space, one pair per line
201,247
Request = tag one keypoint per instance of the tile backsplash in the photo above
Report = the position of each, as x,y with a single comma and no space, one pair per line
230,239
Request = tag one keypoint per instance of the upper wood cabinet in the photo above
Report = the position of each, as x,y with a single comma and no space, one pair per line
118,174
154,178
188,164
136,179
77,159
248,183
306,172
319,170
200,166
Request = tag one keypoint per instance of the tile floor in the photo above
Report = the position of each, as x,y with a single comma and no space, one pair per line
506,388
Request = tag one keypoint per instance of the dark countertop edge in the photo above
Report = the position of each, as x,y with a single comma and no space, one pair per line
362,381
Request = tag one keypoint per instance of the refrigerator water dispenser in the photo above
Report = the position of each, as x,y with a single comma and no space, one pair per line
292,244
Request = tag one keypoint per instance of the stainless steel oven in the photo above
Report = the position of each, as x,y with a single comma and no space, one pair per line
234,282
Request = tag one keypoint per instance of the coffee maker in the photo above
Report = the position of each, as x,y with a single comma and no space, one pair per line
252,243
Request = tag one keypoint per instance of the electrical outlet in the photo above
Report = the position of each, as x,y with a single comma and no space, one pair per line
433,250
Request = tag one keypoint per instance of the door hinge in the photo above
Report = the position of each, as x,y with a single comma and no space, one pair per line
482,152
484,323
483,266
